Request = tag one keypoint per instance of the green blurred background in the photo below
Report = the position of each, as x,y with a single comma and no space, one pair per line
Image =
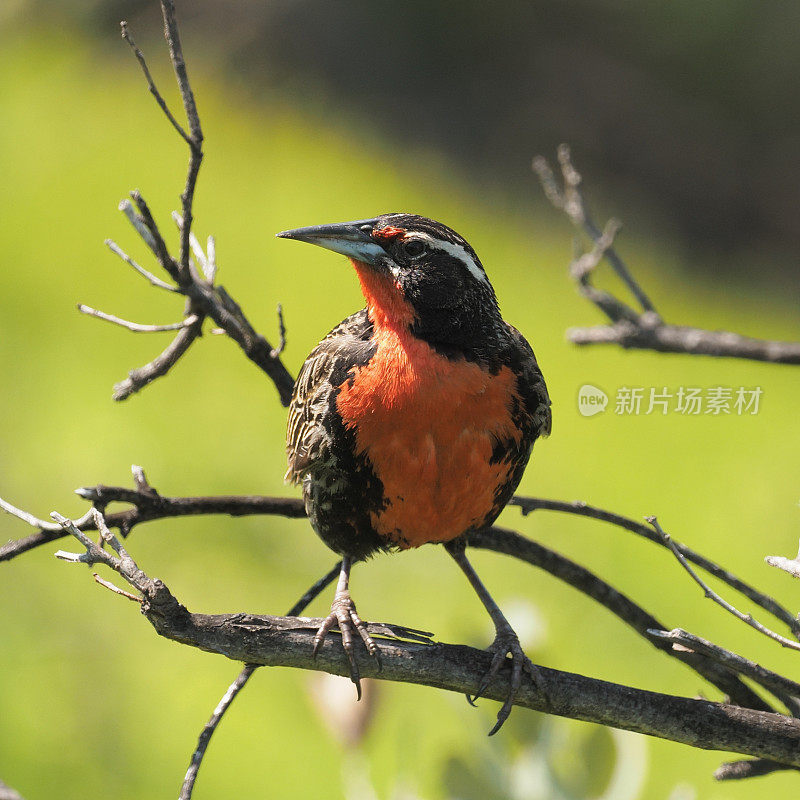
92,703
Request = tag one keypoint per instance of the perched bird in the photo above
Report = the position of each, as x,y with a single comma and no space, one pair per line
413,420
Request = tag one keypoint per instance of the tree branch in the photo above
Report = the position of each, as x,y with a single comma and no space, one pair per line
784,689
287,641
719,600
510,543
204,299
629,328
241,679
579,508
752,768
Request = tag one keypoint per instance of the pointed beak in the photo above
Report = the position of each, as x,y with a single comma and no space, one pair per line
351,239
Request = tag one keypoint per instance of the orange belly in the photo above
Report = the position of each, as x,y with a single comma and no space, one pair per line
428,425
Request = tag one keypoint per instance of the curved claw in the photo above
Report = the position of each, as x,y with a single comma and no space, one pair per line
343,615
506,643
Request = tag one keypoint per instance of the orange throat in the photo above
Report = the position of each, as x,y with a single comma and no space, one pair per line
428,425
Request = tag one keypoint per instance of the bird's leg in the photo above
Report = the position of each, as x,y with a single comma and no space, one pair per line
505,642
343,615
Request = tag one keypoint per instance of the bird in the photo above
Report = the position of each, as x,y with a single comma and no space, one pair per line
413,420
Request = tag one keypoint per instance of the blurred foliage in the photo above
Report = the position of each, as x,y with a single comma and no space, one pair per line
92,703
688,109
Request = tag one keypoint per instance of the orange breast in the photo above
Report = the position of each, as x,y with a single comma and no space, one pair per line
428,425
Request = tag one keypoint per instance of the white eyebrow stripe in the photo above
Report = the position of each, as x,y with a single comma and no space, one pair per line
455,250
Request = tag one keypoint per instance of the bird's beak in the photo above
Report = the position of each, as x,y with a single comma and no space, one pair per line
351,239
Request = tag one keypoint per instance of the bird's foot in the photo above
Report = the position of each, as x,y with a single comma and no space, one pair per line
343,616
506,643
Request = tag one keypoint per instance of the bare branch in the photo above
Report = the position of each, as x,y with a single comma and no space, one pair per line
769,604
631,329
691,341
208,729
154,240
236,687
276,351
161,364
573,204
287,641
712,595
137,327
110,586
790,565
211,258
784,689
126,34
117,250
752,768
195,139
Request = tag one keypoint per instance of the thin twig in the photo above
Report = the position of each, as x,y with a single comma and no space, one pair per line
712,595
208,729
126,207
573,204
115,589
769,604
195,139
155,240
161,364
276,351
790,565
137,327
211,258
117,250
126,34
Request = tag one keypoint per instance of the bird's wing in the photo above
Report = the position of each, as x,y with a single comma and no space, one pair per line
345,347
531,386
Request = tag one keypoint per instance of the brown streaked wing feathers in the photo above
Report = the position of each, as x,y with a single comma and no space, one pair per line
323,370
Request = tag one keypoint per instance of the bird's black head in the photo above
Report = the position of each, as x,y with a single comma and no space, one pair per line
417,273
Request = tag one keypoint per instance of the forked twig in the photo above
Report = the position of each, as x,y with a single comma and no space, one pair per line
712,595
203,298
641,329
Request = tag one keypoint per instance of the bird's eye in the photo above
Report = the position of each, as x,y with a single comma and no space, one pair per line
413,248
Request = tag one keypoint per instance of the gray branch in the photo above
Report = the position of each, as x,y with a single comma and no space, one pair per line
203,298
288,641
641,329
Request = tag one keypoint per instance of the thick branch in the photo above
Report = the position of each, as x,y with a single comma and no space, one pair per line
288,641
